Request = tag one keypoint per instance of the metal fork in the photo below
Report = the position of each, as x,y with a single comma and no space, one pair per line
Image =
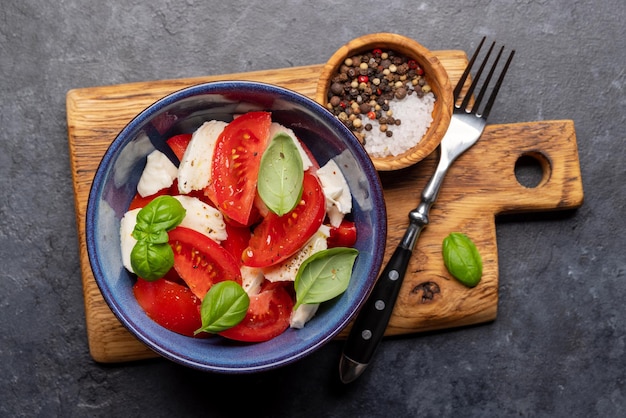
466,126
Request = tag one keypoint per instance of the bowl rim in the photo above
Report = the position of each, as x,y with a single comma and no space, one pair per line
435,73
131,130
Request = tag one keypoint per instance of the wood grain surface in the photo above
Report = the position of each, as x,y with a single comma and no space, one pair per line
480,185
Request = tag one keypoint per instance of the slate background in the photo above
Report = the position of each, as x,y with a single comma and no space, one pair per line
557,347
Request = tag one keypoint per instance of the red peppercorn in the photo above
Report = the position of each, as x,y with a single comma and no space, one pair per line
343,104
363,79
371,115
419,70
377,52
412,64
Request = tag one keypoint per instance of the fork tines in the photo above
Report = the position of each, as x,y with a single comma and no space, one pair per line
483,90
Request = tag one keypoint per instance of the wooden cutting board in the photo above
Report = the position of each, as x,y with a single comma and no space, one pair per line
481,185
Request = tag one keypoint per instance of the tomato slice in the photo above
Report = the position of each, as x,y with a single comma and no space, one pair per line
140,201
200,261
308,152
237,240
277,238
236,162
178,144
197,194
343,235
255,216
267,317
170,305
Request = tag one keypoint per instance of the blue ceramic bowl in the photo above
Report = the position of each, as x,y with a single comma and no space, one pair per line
115,185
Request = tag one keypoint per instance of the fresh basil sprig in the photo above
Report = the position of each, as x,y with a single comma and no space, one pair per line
157,217
324,275
151,261
224,306
281,175
462,259
152,257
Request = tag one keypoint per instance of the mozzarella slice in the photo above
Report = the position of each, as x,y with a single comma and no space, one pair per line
276,128
158,174
286,271
336,191
251,280
302,315
194,171
127,242
203,218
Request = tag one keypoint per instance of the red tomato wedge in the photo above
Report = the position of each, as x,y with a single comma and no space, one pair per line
255,215
267,317
140,201
170,305
277,238
200,261
343,235
236,162
178,144
237,241
308,152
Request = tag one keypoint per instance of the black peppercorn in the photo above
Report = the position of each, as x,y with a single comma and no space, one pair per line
336,88
401,93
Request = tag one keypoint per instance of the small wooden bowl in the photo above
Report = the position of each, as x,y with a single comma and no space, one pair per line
435,74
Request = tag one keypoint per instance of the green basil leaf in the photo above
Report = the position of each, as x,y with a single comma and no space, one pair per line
151,261
462,259
161,214
145,232
152,257
281,175
224,306
324,275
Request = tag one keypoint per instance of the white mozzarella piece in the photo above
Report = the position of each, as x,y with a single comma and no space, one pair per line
127,242
302,315
158,174
134,152
194,172
276,128
286,271
336,192
251,280
203,218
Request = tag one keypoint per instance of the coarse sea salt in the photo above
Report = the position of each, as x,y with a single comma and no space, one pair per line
416,116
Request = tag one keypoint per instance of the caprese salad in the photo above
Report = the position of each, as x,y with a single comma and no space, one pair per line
244,238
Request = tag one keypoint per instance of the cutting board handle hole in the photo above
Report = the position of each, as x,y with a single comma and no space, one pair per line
532,169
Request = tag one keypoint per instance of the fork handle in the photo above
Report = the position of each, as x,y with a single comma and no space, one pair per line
371,322
369,327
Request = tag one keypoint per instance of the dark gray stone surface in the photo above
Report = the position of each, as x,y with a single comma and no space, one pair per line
558,345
